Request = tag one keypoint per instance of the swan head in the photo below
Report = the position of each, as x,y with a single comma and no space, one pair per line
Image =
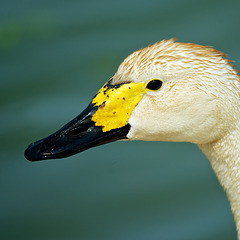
169,91
195,100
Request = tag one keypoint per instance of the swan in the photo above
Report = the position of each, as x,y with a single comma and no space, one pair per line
168,91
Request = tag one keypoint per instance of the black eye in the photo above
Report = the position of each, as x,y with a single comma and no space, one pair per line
154,84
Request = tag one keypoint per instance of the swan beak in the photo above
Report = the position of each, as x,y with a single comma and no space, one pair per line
78,135
104,120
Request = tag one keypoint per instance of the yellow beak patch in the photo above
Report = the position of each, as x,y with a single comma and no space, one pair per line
116,103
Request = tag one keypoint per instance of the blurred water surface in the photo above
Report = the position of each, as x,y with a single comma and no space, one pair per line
54,56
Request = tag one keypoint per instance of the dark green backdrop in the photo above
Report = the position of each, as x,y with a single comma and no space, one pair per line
54,56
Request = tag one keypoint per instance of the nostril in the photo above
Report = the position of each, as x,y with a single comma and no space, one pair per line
79,130
74,132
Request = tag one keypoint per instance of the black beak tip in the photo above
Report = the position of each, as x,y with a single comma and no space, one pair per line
32,153
28,154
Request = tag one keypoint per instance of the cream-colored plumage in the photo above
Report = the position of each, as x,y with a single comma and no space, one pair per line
198,102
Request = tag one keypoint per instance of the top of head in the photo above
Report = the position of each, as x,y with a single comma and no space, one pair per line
171,59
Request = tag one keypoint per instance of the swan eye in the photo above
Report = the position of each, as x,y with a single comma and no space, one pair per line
154,84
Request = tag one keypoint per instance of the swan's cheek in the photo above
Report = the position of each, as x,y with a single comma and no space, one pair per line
146,122
180,121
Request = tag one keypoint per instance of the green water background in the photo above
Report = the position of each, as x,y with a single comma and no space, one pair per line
54,56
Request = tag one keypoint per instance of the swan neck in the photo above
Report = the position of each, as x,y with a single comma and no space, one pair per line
224,156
